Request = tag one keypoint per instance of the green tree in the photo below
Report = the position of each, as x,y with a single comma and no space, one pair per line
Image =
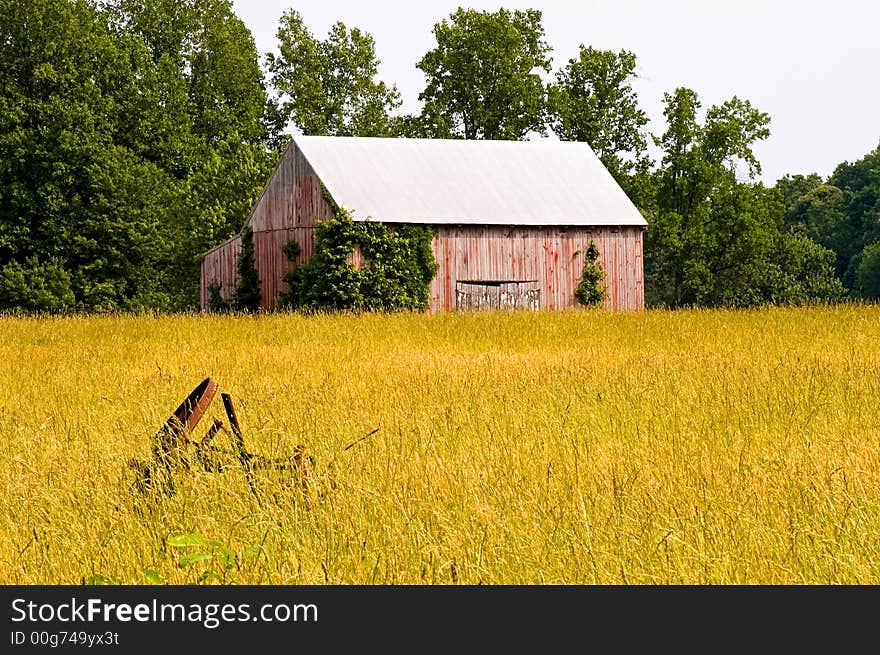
860,183
800,271
131,139
75,196
820,215
330,87
36,286
868,272
246,296
483,78
792,187
713,238
211,51
590,290
841,213
593,101
213,133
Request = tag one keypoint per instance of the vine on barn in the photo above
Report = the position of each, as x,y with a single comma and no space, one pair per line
398,266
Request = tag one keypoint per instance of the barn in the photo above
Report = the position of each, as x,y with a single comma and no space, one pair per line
512,218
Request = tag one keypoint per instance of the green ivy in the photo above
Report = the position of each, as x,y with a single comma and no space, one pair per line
590,290
397,270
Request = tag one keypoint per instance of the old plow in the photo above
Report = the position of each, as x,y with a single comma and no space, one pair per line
175,449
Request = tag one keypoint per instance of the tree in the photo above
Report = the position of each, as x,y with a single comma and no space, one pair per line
805,270
590,290
860,183
483,78
329,87
209,49
792,187
212,133
593,101
81,212
841,213
715,238
36,286
246,296
820,215
868,272
131,140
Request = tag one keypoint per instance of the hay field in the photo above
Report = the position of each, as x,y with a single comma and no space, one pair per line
573,447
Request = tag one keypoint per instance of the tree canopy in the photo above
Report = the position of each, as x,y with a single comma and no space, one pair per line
213,96
841,213
593,101
714,238
483,75
330,87
132,140
80,207
137,134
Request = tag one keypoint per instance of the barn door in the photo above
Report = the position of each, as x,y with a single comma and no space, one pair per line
520,295
496,294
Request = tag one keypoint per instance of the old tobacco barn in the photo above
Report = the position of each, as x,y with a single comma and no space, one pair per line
512,217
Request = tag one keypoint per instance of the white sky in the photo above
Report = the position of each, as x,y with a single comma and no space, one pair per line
814,66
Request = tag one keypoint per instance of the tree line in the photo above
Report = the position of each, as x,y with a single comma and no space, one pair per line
137,134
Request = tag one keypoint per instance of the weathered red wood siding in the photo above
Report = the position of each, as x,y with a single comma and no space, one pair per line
218,266
288,209
551,255
292,198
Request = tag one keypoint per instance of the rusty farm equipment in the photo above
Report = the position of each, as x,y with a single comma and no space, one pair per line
175,450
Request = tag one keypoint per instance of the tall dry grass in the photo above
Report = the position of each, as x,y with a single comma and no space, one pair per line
575,447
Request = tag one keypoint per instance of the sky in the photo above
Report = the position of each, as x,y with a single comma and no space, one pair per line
813,66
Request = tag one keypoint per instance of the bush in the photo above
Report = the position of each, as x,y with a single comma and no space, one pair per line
36,286
590,290
246,296
795,271
216,303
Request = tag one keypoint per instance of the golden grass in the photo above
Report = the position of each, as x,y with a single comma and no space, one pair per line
574,447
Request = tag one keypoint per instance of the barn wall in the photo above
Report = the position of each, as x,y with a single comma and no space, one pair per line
291,204
218,266
292,197
271,262
551,255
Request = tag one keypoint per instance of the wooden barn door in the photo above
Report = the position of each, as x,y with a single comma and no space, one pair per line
492,294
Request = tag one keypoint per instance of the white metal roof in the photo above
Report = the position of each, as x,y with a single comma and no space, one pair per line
471,182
